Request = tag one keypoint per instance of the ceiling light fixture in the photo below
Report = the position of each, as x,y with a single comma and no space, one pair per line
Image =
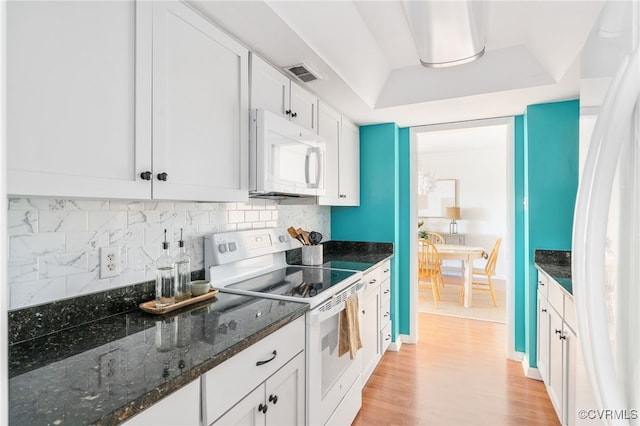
447,33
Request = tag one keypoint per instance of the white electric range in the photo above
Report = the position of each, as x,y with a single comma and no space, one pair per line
253,263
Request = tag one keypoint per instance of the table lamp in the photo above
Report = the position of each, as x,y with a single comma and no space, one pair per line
453,213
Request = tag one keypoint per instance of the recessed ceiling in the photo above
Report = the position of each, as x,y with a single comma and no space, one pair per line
370,67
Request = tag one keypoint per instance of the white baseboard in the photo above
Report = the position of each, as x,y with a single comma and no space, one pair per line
395,346
530,372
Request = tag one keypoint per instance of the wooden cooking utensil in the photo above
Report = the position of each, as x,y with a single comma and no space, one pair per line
302,232
292,231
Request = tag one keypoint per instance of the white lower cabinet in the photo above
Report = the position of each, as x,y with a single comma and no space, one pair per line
370,335
557,346
277,401
375,318
181,408
263,384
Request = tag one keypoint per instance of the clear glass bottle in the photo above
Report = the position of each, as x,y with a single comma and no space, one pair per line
183,271
165,277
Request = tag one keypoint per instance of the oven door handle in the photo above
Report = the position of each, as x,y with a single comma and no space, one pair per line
317,316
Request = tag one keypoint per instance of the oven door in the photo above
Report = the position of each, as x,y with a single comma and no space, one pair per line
331,379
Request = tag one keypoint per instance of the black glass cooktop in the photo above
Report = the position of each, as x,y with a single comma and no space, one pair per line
352,266
293,281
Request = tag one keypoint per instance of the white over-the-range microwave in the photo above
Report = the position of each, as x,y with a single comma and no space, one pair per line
285,159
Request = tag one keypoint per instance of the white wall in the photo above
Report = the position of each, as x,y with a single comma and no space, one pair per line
476,158
54,244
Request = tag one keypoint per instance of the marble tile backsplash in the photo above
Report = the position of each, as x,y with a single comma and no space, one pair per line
54,244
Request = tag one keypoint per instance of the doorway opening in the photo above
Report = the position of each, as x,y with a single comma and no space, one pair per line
476,159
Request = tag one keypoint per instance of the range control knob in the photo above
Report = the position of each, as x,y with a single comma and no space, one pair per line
222,248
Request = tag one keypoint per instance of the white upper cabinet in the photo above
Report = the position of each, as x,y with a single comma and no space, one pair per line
124,99
274,91
78,104
200,108
349,187
343,158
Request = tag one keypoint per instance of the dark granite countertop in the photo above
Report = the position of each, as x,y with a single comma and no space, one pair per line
108,370
556,264
98,359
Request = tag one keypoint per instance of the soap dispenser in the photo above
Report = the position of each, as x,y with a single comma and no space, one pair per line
165,276
183,270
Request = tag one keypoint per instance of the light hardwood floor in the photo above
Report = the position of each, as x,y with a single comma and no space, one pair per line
457,374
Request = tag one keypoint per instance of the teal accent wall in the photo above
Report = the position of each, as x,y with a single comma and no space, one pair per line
519,241
377,218
405,228
551,182
545,176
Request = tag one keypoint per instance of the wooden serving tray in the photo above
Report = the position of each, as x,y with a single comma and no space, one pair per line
150,306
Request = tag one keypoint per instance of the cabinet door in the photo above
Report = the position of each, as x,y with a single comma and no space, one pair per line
555,361
78,98
246,411
285,394
543,338
166,413
329,124
304,107
269,88
349,187
370,331
200,108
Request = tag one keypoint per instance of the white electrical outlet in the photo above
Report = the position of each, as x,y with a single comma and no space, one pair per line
109,262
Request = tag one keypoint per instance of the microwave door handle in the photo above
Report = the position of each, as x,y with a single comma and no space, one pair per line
318,166
306,166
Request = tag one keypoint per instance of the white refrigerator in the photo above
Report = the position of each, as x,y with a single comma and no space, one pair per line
606,233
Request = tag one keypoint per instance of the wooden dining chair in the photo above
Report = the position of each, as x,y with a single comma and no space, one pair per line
487,273
435,238
429,268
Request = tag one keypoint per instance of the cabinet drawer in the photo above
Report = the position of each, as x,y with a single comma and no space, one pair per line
385,303
385,337
543,284
236,377
385,270
373,277
556,297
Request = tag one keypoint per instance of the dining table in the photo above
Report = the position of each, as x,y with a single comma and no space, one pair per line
466,254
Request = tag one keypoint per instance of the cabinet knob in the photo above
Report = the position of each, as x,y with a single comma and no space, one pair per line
343,195
373,281
163,176
288,112
544,310
145,175
563,337
540,283
263,408
294,114
386,270
273,399
386,314
386,291
558,331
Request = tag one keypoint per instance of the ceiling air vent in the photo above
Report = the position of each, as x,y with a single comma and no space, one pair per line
303,72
